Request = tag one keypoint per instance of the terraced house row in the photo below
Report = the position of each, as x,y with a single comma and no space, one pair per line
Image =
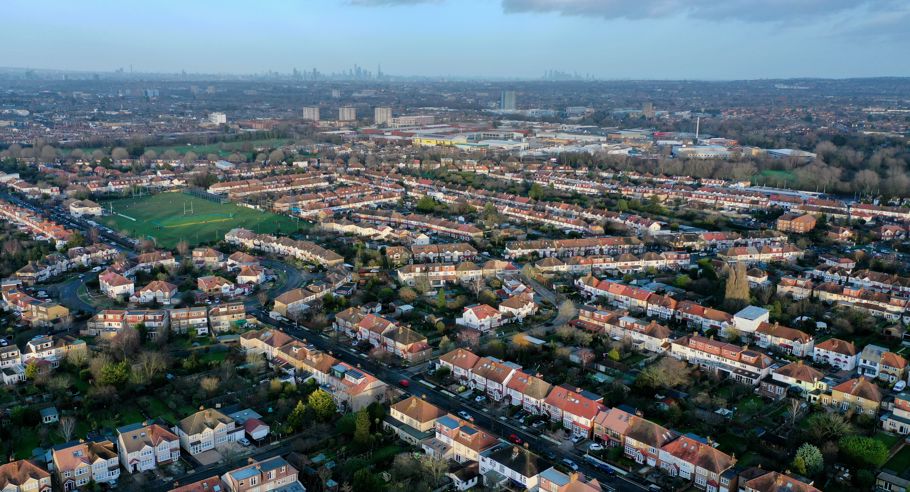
301,250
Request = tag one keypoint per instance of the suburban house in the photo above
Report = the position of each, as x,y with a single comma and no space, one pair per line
693,458
211,484
114,285
413,419
225,317
574,407
481,317
206,429
77,464
24,476
518,465
491,375
898,419
799,224
252,274
291,302
803,377
262,476
738,363
81,208
528,391
458,440
553,480
859,394
208,257
11,367
353,388
240,259
189,320
837,353
460,363
788,340
215,285
143,447
156,291
265,341
518,307
643,440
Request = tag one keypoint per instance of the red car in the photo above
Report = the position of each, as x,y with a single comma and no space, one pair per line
404,383
515,439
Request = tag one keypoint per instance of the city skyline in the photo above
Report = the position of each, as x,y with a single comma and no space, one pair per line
507,39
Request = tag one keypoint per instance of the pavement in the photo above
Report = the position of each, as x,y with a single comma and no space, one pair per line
452,403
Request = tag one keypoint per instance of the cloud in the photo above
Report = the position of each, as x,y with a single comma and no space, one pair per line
742,10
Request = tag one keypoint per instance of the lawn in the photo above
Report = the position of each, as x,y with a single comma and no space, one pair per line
173,217
900,461
774,177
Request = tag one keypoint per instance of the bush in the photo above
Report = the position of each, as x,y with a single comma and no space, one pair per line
863,451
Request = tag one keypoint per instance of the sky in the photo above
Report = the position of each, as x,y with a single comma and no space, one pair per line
609,39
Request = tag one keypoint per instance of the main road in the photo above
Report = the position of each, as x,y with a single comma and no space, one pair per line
452,403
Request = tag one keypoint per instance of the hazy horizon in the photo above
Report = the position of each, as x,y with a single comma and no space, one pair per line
487,39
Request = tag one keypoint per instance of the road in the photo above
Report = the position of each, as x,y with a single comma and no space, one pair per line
66,293
452,403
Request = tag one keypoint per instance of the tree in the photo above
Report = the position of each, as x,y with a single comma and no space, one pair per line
183,248
210,384
826,426
126,342
667,373
362,428
567,310
31,370
736,293
322,404
863,451
119,153
426,204
115,373
809,460
149,365
366,481
297,417
434,467
441,299
407,294
67,426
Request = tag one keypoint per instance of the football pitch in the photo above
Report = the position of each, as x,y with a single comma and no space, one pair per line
173,217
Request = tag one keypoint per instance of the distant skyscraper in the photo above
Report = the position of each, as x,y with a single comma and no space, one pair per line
347,113
336,93
382,116
311,113
647,110
507,102
217,118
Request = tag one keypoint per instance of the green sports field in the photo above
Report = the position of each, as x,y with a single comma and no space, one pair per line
174,217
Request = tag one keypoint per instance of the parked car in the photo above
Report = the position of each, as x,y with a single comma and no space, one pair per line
571,464
514,438
900,385
480,399
404,383
577,439
595,447
466,416
244,441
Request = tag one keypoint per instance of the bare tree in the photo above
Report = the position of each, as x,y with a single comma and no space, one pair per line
150,364
793,410
126,342
67,427
183,248
434,467
119,153
210,384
